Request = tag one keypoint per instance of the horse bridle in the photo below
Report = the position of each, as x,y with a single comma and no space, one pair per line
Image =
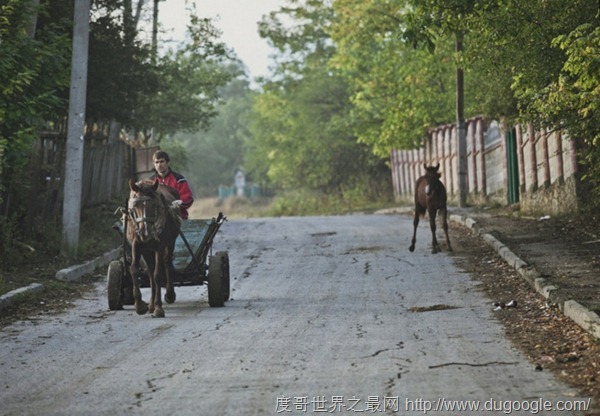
152,225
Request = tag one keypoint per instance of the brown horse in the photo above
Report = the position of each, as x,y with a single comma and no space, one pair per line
154,223
430,197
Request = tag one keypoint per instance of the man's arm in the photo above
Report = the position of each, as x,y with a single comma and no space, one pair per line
185,193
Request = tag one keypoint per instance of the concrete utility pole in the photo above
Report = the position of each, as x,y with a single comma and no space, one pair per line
460,128
35,5
75,130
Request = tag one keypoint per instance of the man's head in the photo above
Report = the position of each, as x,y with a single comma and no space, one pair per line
161,162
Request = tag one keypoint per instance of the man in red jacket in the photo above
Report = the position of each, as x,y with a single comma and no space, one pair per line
166,176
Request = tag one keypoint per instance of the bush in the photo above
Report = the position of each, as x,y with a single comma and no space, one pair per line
309,202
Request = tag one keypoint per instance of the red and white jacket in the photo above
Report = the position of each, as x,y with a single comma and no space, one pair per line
178,182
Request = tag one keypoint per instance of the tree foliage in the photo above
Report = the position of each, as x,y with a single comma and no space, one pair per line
398,92
127,84
215,152
512,49
188,84
302,136
524,61
33,73
572,101
172,92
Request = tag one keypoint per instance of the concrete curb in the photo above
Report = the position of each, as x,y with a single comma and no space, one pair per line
585,318
74,273
70,274
12,297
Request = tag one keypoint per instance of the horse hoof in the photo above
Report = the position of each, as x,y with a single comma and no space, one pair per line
170,297
158,313
141,309
411,248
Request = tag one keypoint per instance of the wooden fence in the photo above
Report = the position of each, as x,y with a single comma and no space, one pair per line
105,172
506,165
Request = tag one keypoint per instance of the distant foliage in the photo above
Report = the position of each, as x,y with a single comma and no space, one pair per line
523,61
33,79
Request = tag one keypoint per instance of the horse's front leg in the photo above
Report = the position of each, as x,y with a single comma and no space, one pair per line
169,270
435,247
444,214
415,224
141,307
158,269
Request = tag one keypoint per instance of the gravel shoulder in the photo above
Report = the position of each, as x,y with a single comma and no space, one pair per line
550,340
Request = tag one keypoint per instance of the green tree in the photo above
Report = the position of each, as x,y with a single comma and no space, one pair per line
127,83
120,74
513,54
541,60
398,92
572,101
214,153
301,134
33,72
189,79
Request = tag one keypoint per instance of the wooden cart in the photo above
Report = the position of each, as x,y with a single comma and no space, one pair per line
193,262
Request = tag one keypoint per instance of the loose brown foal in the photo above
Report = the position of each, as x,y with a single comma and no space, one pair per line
430,197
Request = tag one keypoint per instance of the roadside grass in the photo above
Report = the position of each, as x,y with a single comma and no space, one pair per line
38,260
296,203
303,203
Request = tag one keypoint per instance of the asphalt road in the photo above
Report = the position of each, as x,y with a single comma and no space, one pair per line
327,314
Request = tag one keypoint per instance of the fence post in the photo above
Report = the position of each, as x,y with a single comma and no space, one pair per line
402,170
480,139
451,152
560,160
393,161
532,158
546,156
521,156
471,126
503,137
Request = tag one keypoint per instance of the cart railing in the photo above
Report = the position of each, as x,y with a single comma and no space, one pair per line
199,235
192,246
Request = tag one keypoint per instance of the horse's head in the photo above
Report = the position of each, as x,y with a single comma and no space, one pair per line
146,210
432,178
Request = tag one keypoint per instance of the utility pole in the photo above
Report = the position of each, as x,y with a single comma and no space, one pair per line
155,31
460,127
35,5
75,129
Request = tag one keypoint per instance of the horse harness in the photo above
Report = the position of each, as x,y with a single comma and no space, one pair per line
149,224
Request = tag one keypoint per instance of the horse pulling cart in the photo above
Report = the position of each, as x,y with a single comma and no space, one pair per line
193,264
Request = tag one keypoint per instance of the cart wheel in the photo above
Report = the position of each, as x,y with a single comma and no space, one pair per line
114,280
224,255
216,296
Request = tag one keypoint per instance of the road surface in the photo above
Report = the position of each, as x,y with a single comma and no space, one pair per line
327,314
